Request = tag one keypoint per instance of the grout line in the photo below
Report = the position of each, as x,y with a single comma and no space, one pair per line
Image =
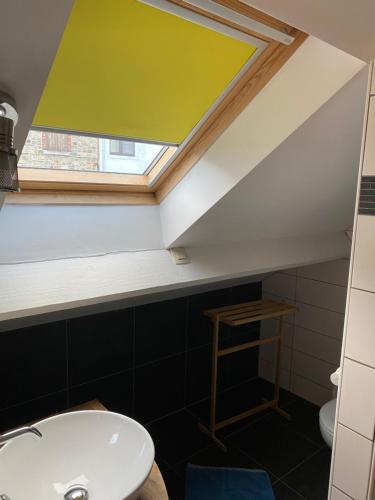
319,333
313,381
173,412
164,358
192,455
289,488
133,363
358,362
302,462
337,488
186,342
293,336
321,281
355,432
67,357
304,303
19,405
100,378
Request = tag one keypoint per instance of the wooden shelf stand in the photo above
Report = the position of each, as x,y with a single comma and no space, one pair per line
236,315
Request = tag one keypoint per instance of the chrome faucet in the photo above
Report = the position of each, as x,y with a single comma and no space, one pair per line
7,436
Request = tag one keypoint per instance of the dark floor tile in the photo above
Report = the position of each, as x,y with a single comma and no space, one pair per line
274,444
177,437
32,363
162,464
160,330
33,410
175,485
305,419
311,478
232,402
216,457
100,345
159,388
114,392
282,492
286,398
199,325
198,376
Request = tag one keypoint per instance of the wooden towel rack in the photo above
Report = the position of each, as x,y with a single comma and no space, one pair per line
236,315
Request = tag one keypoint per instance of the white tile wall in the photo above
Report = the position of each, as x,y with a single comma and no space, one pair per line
351,468
269,352
309,390
324,295
317,345
267,371
313,369
312,336
369,155
360,335
364,263
320,320
269,329
353,461
335,272
357,404
283,285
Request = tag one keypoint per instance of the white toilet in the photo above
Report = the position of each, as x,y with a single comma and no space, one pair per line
327,414
327,417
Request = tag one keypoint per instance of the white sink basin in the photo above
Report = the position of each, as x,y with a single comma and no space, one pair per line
110,454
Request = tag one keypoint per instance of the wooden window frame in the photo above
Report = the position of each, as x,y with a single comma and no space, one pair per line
44,186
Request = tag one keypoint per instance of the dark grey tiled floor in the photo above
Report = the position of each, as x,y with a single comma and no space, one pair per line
293,453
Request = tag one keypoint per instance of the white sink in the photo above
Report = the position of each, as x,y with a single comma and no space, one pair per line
109,454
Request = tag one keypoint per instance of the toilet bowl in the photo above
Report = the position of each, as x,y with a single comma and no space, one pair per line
327,416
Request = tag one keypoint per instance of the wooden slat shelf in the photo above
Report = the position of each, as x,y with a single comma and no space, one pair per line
236,315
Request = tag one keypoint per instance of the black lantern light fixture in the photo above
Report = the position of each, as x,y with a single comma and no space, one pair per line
8,155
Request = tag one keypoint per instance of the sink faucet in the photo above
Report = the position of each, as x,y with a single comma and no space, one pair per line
7,436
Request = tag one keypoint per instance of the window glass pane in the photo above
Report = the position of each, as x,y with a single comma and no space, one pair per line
123,148
73,152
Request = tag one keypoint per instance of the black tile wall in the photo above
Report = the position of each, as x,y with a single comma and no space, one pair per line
99,345
367,196
146,361
32,363
115,392
33,410
200,326
159,388
198,374
160,330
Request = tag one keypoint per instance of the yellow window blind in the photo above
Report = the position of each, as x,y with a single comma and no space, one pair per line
126,69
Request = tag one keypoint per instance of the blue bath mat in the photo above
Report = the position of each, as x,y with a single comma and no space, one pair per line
216,483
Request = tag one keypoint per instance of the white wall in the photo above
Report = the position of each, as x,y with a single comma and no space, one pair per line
34,233
345,24
313,336
30,34
43,287
306,185
312,75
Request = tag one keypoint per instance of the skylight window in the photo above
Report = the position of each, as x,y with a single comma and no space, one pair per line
51,150
134,129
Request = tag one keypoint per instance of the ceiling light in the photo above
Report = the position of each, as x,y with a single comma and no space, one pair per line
8,155
212,7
